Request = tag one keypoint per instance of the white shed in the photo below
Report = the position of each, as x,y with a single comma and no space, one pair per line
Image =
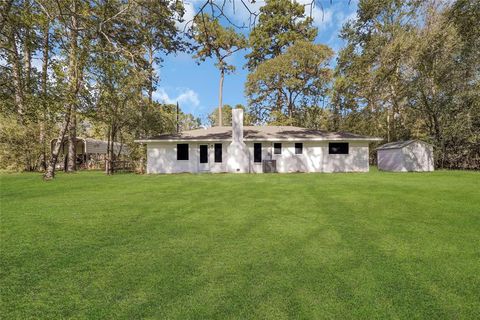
411,155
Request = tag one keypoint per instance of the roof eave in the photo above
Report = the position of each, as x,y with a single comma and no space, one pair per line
373,139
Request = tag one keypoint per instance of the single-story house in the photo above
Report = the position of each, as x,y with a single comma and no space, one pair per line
411,155
91,153
257,149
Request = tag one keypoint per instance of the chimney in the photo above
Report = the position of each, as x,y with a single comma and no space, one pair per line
237,152
237,125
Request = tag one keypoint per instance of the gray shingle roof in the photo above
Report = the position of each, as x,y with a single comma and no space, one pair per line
259,133
397,144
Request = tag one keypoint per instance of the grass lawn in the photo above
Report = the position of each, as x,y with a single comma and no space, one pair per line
311,246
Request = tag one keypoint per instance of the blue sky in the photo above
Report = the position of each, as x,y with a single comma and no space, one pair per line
195,86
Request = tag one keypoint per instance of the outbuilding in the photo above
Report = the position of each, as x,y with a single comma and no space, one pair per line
91,153
403,156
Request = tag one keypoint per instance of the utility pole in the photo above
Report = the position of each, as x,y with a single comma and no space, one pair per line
178,125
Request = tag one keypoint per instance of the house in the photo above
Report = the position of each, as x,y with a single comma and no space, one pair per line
411,155
91,153
257,149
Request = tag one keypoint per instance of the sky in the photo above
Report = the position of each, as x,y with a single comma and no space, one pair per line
195,86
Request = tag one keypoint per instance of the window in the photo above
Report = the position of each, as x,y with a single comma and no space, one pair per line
218,152
203,153
338,148
257,152
182,151
298,148
277,148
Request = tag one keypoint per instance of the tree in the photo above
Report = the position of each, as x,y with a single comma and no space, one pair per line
281,23
300,75
22,31
114,28
409,70
219,42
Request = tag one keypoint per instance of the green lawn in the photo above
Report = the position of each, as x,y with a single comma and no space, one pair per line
310,246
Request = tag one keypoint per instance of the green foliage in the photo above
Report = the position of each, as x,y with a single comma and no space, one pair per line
410,70
95,67
19,147
281,23
300,77
248,119
216,41
226,116
219,42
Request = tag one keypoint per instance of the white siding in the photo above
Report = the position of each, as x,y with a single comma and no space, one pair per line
417,156
162,158
391,160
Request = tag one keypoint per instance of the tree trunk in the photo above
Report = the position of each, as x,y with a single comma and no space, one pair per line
27,52
74,78
42,137
150,76
75,75
220,98
72,142
110,161
17,74
50,172
388,125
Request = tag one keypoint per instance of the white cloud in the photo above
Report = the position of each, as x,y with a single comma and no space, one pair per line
322,17
185,96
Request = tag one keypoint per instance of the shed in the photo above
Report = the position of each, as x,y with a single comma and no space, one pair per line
90,152
402,156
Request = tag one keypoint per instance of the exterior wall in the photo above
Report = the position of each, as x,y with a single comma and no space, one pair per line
391,160
162,158
355,161
417,156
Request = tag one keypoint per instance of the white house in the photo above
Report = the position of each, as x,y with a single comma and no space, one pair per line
411,155
257,149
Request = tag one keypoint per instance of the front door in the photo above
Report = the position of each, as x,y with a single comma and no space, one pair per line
204,166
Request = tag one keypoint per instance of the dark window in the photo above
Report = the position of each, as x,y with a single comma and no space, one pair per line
298,148
277,148
218,152
338,148
257,152
182,151
203,153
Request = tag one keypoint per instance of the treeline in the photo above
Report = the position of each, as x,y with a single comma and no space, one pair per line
74,68
408,69
411,69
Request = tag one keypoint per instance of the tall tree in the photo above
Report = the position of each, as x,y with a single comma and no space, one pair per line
301,76
280,24
114,28
220,43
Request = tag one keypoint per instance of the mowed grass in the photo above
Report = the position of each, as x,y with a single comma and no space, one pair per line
299,246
